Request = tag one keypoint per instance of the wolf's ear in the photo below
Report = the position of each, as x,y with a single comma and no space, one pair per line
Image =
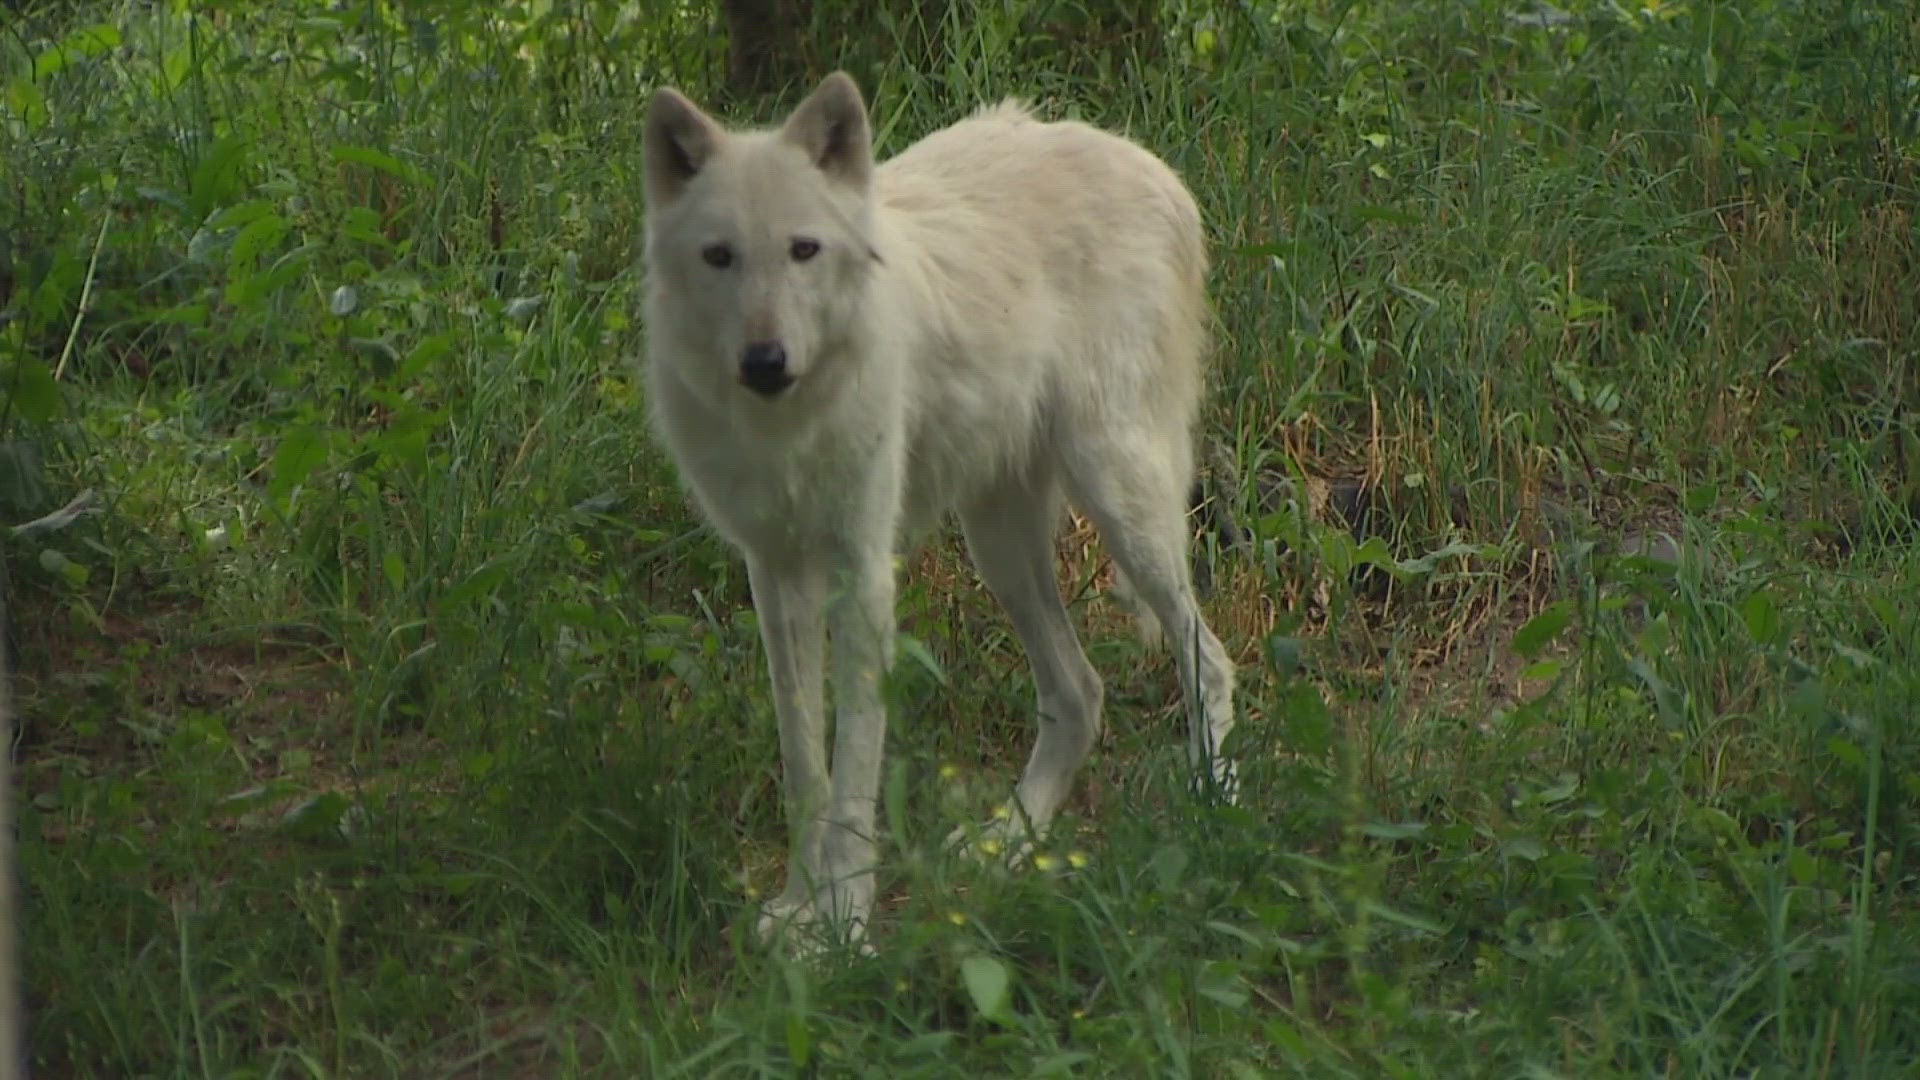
677,141
831,126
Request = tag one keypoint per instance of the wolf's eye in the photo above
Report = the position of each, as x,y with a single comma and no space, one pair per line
718,256
804,249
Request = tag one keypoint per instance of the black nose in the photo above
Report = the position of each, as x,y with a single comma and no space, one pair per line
763,368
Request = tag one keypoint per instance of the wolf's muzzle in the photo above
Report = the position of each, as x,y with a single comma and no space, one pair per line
763,368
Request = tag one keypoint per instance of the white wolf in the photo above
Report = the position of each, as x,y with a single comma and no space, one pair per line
840,354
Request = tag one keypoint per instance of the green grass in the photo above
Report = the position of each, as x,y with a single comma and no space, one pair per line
394,717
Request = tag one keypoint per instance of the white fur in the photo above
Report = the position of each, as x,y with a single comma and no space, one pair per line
1007,314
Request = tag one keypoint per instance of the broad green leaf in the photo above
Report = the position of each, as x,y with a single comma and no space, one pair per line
216,177
1425,563
1802,865
83,44
424,353
1540,630
1701,498
25,101
914,649
930,1045
380,160
1288,1039
1373,551
175,66
1847,751
1309,723
363,224
1717,821
1808,700
799,1042
1283,655
481,582
322,818
988,984
240,214
245,291
187,314
31,391
62,567
1168,863
1250,939
406,443
1219,983
1762,618
1668,702
257,236
1560,790
1523,847
380,356
300,452
1546,670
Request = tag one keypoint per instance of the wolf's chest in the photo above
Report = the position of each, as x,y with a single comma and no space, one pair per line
816,495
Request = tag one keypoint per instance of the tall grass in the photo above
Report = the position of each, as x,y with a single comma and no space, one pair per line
393,716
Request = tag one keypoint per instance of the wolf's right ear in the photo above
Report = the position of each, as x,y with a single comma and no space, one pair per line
676,142
831,126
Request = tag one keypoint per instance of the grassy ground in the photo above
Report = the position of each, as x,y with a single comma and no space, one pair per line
392,717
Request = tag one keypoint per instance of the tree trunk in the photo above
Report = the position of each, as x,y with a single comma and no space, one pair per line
12,1051
764,50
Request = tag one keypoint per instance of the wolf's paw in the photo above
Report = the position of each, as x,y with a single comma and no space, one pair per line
797,926
1006,839
785,917
1219,786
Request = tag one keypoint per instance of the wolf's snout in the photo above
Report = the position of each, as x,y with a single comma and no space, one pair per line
763,368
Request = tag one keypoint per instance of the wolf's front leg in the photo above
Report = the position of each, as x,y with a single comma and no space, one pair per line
861,621
789,596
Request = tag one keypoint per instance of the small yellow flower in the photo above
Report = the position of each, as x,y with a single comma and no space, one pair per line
949,772
990,846
1078,859
957,918
1046,864
1002,812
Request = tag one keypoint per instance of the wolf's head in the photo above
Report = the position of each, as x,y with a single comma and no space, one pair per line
758,242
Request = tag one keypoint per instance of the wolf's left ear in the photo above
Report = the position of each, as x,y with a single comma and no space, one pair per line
676,143
831,126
